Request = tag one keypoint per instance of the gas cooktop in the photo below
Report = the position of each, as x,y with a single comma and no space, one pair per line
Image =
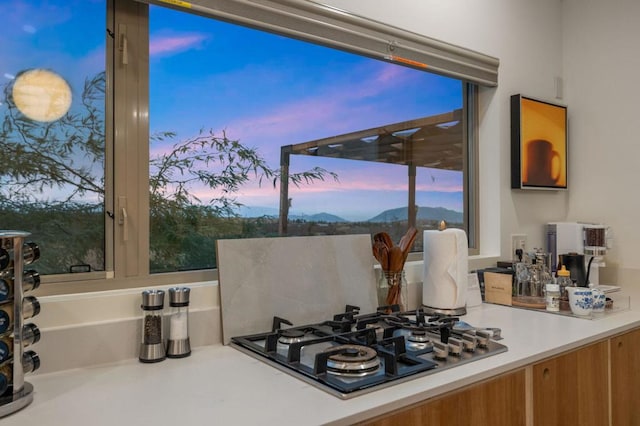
355,353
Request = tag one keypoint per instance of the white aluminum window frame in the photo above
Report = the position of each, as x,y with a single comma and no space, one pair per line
127,116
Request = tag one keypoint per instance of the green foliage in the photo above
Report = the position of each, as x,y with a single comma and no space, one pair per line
68,233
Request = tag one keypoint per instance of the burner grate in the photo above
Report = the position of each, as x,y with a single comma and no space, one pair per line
353,353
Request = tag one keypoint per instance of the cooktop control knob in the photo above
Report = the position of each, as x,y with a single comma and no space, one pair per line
469,341
483,337
440,350
455,346
495,333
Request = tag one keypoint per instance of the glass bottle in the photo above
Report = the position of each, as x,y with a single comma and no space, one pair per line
152,345
178,345
564,280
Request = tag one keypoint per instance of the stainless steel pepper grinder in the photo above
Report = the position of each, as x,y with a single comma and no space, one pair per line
152,345
178,345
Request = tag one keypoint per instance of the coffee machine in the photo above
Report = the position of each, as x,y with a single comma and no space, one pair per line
584,240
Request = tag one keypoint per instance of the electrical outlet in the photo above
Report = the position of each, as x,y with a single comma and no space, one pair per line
518,241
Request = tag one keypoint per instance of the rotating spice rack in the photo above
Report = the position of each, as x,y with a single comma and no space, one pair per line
17,393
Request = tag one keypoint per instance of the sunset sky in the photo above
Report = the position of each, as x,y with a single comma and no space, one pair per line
264,90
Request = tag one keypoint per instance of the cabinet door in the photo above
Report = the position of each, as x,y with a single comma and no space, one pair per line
572,389
625,379
496,402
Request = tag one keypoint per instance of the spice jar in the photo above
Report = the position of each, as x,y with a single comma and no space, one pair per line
553,297
6,348
6,319
178,345
30,361
152,346
30,307
5,259
30,336
30,253
30,281
6,378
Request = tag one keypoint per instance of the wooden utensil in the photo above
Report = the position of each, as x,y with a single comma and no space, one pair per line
381,253
385,238
396,259
406,242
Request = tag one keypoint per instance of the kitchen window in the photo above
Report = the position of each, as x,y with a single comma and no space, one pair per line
218,129
52,151
351,131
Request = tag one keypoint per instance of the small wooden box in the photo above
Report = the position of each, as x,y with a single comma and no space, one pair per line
498,288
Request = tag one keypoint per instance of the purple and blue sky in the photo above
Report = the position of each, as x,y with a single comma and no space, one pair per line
262,89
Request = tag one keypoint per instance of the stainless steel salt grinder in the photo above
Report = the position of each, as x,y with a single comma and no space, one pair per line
152,346
178,345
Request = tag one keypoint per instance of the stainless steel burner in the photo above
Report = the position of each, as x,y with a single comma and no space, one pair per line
418,340
418,336
352,361
288,337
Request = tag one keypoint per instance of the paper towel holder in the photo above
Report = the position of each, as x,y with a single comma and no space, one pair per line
447,312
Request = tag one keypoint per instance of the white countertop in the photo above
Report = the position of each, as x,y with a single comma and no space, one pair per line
220,385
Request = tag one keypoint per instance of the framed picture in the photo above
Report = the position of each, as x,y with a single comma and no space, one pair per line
539,144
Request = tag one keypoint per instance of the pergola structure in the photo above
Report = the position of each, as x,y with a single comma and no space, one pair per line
436,142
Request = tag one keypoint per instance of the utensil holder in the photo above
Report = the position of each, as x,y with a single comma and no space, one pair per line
392,289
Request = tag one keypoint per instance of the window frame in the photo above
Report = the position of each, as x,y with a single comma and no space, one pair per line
127,150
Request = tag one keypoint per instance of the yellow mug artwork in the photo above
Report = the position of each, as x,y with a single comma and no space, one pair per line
539,144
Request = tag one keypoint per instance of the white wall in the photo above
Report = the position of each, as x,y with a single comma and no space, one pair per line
527,38
591,44
602,63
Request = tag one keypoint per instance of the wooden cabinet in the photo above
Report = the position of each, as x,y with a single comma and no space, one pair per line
596,385
572,389
496,402
625,379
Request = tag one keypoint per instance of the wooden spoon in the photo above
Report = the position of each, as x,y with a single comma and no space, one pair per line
381,253
385,238
407,241
396,259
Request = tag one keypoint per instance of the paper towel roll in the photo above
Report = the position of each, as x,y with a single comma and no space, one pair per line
446,268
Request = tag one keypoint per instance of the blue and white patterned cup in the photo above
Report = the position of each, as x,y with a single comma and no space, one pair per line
580,300
599,301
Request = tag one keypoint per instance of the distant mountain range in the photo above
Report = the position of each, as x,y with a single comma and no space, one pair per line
318,217
424,213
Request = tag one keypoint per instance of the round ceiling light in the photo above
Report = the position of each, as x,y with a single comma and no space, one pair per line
41,95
